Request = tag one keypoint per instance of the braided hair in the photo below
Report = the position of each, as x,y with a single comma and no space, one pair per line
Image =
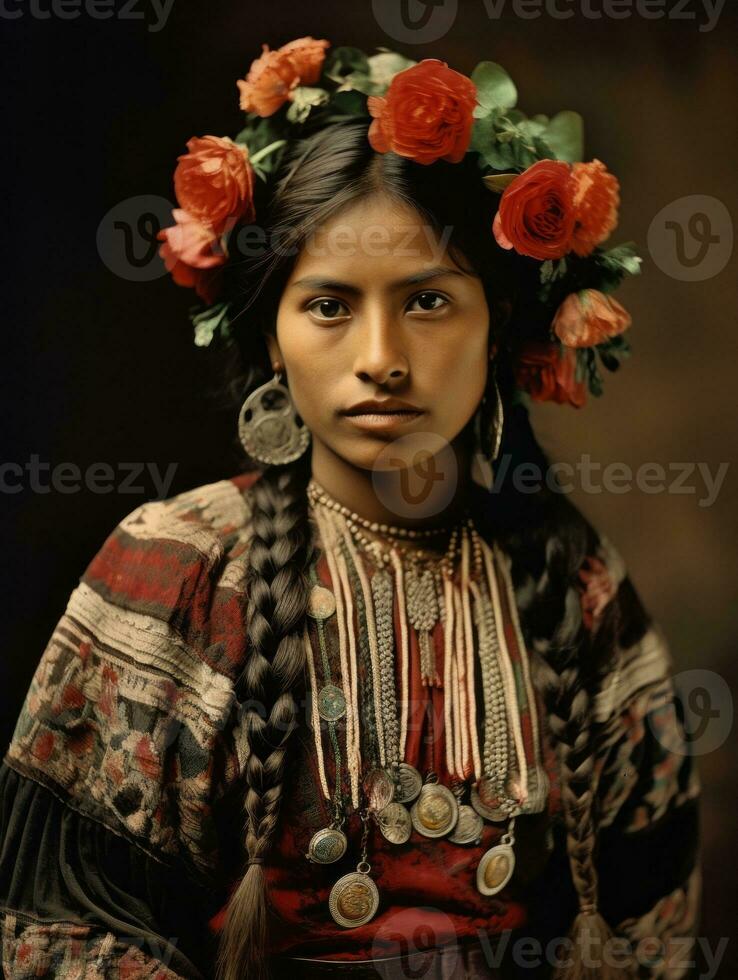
330,166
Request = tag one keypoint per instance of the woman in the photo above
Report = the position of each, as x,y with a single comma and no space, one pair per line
370,707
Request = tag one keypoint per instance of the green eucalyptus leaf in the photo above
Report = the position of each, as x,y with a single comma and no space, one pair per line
523,155
501,156
494,86
565,136
516,116
530,128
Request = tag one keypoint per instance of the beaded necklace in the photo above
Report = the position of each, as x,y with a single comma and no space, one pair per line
493,781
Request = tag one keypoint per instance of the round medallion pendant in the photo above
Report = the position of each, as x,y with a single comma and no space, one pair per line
487,800
331,702
354,899
321,602
435,811
379,788
395,823
495,869
469,826
327,845
409,783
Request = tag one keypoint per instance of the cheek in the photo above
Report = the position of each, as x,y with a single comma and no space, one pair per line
459,378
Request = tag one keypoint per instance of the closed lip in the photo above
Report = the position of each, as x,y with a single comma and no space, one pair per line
386,406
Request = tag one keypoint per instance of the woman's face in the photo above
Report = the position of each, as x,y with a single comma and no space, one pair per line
376,308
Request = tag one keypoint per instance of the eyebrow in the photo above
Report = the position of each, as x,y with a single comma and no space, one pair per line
317,282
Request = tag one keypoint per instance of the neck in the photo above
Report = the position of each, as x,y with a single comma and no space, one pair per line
370,493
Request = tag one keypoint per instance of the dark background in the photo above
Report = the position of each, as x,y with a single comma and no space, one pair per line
97,367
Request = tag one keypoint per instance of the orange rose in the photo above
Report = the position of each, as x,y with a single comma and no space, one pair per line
215,181
536,216
596,203
188,253
269,83
589,317
273,76
308,56
426,115
548,374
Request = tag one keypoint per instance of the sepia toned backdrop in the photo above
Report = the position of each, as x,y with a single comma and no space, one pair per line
100,368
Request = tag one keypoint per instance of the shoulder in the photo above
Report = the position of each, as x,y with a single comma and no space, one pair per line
178,563
128,713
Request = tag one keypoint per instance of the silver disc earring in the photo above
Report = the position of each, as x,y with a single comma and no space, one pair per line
487,441
268,425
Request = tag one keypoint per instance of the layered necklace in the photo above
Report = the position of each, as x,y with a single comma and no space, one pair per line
469,590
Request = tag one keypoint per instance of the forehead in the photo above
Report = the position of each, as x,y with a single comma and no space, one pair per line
373,237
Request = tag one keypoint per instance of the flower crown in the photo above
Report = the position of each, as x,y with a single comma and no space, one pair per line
554,209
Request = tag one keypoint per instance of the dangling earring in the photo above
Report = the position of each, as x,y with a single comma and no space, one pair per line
268,426
487,439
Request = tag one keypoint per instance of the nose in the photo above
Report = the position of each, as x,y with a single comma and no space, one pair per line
380,353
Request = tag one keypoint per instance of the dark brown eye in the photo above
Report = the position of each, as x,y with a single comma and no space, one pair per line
327,308
427,298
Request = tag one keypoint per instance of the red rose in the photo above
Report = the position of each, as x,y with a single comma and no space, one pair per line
552,209
189,254
547,373
214,181
426,115
536,215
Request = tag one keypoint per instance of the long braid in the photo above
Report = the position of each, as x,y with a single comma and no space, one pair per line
271,684
567,663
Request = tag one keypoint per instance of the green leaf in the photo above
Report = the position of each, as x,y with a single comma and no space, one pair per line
303,99
498,182
523,155
343,61
623,257
546,271
209,321
347,104
529,127
495,88
565,136
501,156
258,133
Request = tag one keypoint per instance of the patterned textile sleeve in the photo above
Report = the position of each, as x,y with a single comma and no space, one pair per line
109,846
648,786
